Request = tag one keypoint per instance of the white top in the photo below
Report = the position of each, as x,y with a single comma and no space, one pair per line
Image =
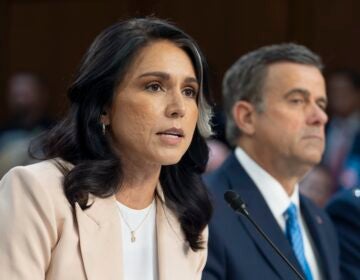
140,256
278,201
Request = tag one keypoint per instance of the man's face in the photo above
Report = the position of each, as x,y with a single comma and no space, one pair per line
290,129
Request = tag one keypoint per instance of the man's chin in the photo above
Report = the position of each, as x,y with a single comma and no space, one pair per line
312,160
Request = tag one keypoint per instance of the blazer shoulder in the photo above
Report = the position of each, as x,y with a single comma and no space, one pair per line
34,213
43,180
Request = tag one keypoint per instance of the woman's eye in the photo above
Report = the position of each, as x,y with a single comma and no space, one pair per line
190,92
154,87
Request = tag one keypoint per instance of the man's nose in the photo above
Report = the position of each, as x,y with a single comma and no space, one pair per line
317,115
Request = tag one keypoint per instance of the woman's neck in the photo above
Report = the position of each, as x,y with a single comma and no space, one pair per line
139,184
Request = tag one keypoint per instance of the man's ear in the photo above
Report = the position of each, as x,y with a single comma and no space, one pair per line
244,115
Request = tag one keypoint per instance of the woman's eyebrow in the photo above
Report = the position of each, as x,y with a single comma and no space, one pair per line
166,76
159,74
191,80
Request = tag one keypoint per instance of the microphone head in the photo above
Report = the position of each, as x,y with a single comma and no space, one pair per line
235,202
230,196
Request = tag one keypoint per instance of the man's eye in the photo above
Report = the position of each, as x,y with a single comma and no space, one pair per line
322,107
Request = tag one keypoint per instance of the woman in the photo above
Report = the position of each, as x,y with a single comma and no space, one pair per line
118,196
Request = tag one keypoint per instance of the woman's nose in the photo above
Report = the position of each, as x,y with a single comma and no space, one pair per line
176,105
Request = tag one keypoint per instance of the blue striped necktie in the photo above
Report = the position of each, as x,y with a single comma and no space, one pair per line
293,233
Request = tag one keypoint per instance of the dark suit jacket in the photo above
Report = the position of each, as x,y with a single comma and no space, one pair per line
237,251
344,210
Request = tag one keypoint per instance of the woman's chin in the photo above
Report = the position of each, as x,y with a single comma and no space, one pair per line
171,160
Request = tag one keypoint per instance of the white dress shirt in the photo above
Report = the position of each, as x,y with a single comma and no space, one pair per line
278,201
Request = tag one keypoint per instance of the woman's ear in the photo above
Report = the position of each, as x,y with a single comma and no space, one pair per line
105,118
244,116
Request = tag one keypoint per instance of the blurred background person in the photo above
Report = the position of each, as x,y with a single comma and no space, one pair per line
318,185
219,148
344,210
218,152
26,99
343,129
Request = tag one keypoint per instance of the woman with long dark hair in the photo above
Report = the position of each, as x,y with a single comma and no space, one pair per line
118,195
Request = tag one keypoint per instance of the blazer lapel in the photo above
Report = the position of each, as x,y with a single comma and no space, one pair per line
100,239
261,213
175,258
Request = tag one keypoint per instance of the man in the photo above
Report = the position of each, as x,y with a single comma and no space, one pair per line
344,210
275,102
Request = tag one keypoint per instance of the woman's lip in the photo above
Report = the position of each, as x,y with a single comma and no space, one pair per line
170,139
172,131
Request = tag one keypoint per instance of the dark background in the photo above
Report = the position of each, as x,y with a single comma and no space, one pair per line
50,37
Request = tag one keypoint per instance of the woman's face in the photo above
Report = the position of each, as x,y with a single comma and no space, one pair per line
154,112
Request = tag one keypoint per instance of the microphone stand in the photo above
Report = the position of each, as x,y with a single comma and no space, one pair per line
239,206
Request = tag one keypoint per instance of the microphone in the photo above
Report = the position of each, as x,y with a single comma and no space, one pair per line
238,205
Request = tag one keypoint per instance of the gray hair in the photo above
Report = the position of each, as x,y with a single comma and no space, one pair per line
205,109
245,79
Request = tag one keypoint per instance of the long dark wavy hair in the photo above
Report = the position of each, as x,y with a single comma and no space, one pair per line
78,138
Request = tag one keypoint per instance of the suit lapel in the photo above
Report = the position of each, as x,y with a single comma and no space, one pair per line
100,239
169,245
314,223
260,212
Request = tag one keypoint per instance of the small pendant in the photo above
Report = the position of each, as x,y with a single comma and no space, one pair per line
133,238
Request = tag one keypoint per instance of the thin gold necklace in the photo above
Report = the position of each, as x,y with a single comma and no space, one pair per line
133,231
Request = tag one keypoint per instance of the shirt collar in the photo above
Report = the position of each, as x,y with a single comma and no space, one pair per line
274,194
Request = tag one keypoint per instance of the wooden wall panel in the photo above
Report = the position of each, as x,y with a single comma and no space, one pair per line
337,32
49,37
4,62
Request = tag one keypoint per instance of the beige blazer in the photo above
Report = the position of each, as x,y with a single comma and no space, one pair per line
43,237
